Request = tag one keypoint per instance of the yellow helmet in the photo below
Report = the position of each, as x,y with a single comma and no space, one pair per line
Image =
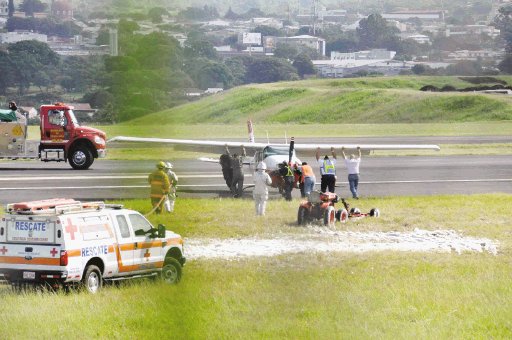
160,165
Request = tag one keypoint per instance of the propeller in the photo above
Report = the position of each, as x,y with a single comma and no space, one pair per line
290,152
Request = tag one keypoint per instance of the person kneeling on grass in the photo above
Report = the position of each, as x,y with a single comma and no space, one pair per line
261,182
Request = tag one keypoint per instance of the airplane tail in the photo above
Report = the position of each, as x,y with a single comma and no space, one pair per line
250,130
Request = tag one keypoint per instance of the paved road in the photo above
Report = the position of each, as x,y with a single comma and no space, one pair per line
380,176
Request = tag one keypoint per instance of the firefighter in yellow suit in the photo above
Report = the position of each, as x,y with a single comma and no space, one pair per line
160,186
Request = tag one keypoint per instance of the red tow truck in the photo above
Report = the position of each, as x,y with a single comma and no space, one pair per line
63,139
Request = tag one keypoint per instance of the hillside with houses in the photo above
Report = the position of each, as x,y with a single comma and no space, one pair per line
126,59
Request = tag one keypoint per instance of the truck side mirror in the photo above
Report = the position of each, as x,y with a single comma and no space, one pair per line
161,231
140,232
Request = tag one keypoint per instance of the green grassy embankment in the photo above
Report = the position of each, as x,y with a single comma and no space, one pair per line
327,295
349,101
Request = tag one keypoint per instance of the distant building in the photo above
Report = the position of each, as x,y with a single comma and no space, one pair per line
213,90
323,15
16,36
218,23
420,38
333,15
182,38
375,54
422,15
4,8
474,55
224,48
62,9
468,30
83,109
271,22
346,64
402,27
192,92
315,43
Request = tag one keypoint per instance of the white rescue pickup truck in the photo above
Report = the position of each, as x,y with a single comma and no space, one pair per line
63,242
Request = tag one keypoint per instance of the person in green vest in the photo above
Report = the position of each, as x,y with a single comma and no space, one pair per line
286,171
327,170
9,115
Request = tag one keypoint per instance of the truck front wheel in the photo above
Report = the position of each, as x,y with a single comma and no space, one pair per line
171,272
92,280
80,158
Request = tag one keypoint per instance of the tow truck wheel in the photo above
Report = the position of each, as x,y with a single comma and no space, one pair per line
80,158
329,216
302,215
171,272
92,280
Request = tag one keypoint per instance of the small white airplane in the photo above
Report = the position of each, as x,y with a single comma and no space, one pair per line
272,154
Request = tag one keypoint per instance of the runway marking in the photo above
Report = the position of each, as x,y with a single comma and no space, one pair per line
44,178
494,180
109,187
216,175
223,185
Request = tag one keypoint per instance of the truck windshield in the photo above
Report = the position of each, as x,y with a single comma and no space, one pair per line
139,222
73,118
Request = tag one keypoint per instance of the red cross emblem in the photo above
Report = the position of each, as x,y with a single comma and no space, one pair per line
53,252
147,255
3,250
71,229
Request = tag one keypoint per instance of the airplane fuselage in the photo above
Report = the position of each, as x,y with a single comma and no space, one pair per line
273,156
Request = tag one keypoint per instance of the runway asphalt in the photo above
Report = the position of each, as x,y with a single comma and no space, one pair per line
380,176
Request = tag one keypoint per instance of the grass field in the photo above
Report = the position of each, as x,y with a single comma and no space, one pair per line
309,295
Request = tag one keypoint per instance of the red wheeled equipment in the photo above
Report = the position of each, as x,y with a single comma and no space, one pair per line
319,206
344,214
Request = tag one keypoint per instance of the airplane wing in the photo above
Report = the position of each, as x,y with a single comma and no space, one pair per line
218,147
206,146
365,147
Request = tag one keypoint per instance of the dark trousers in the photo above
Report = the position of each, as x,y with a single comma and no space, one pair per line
228,176
237,184
288,186
328,182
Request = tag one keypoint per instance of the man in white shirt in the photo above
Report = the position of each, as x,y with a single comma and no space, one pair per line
352,164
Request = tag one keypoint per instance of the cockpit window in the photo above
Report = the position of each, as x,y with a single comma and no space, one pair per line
272,151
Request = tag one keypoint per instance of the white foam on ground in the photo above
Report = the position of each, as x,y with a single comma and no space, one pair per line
326,240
